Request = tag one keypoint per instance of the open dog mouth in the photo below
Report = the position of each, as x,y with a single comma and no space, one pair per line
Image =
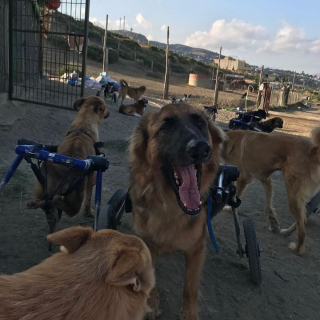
185,182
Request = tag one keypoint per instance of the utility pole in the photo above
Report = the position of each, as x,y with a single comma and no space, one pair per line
294,78
216,88
105,50
166,77
124,22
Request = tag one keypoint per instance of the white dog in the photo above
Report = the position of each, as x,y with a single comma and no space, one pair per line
184,99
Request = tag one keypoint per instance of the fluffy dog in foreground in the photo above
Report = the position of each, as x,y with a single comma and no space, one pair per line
258,155
268,125
104,275
78,143
174,157
136,109
134,93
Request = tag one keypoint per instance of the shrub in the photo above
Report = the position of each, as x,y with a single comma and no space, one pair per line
113,56
140,62
318,96
95,53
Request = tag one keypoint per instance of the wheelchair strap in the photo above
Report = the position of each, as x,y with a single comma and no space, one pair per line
97,145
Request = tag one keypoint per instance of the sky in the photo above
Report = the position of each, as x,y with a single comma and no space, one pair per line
277,34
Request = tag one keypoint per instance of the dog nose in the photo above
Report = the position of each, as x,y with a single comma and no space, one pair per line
199,149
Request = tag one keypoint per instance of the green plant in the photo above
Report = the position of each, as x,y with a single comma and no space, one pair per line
113,56
140,62
318,97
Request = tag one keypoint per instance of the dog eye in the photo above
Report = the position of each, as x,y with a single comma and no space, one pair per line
198,120
167,122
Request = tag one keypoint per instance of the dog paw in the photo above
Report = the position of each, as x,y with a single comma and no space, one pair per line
188,315
274,225
153,315
89,213
33,205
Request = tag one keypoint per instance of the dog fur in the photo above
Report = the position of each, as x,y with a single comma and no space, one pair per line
159,219
258,155
136,109
184,99
104,275
134,93
268,125
91,113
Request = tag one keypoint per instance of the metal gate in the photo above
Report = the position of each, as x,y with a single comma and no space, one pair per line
48,49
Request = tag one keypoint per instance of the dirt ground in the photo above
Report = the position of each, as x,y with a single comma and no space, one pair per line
291,284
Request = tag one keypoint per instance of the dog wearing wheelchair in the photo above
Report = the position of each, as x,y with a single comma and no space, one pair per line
55,193
174,157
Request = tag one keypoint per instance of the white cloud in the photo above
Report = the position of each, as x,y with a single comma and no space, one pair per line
288,38
142,21
229,35
83,10
150,37
98,23
163,28
315,47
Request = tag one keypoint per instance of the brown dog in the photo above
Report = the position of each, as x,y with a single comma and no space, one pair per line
134,93
268,125
174,157
98,275
258,155
136,109
77,144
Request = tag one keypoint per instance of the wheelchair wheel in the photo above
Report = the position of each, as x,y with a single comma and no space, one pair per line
111,214
253,251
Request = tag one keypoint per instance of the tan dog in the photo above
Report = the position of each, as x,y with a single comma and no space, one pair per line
268,125
102,275
174,157
136,109
258,155
91,113
134,93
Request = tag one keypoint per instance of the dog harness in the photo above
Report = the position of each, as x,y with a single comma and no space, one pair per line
96,145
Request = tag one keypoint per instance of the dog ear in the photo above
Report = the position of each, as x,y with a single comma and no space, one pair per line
124,272
190,95
217,135
77,105
71,239
100,108
139,139
185,95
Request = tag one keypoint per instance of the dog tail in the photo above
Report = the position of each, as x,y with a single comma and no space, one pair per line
315,136
123,83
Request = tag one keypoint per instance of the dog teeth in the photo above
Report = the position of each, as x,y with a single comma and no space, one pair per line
177,182
175,175
200,203
185,205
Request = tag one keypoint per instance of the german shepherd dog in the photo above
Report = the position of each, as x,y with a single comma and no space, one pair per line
259,154
78,143
136,109
268,125
174,158
134,93
97,275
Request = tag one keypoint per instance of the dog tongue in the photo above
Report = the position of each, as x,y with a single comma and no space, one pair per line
188,190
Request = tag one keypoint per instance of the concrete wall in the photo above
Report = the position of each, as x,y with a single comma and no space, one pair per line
202,81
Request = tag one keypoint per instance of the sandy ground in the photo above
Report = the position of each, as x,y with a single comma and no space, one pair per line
291,284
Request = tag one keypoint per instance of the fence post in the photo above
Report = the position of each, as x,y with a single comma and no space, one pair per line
151,65
85,48
166,77
135,54
216,89
259,91
105,50
118,45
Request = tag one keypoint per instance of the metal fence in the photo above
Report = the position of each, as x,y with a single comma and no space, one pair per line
4,44
48,45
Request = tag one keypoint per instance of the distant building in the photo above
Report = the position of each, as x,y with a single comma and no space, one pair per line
228,63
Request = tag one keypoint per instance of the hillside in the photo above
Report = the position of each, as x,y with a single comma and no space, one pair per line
203,55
